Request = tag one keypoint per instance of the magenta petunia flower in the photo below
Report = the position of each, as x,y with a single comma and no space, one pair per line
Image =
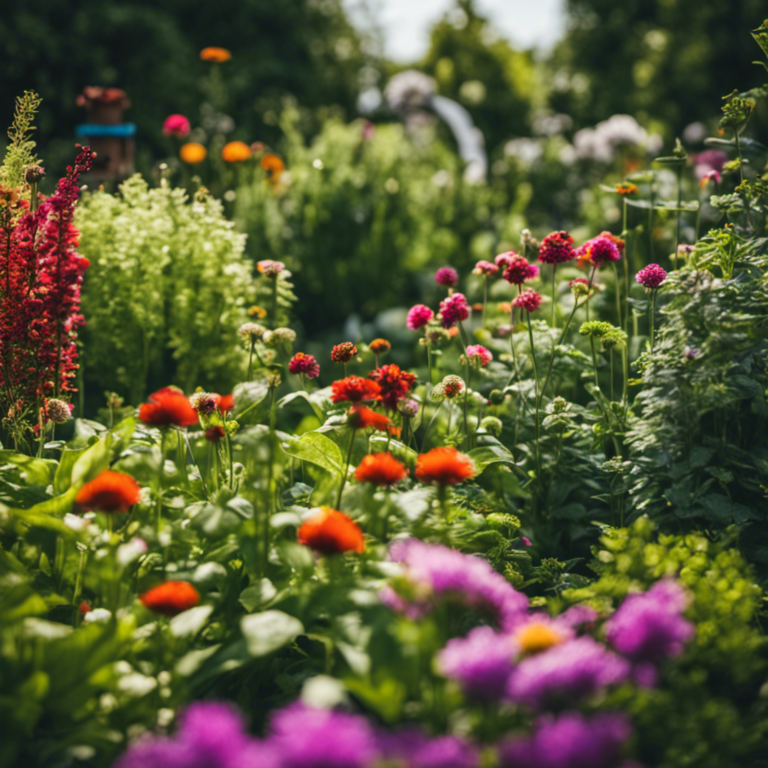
479,355
418,317
570,740
650,627
651,276
453,310
486,268
527,300
556,248
447,276
306,364
176,125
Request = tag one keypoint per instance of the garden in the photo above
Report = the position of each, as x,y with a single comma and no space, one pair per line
416,420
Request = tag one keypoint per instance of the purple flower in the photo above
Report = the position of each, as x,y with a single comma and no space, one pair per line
651,276
568,671
453,310
433,571
306,737
650,627
481,662
570,741
418,317
447,276
412,749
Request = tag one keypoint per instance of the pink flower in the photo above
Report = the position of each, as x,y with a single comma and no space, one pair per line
270,267
519,271
482,354
418,317
712,175
447,276
651,276
528,300
176,125
306,364
602,250
556,248
453,310
503,259
485,268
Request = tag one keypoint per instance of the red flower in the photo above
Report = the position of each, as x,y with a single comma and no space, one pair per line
227,403
84,608
361,417
110,492
444,466
519,271
380,469
344,352
331,532
306,364
379,346
354,389
168,407
215,433
171,598
395,384
527,300
556,248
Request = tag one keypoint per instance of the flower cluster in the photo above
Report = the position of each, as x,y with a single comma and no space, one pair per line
306,364
168,407
380,469
344,352
527,300
651,277
447,276
394,384
478,355
486,268
556,248
354,389
418,317
331,532
517,270
453,310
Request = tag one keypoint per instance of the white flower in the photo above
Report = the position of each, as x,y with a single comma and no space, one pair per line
127,553
97,615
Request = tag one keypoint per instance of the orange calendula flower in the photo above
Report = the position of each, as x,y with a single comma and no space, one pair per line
110,492
168,407
257,311
380,469
354,389
216,55
536,637
236,152
379,346
273,166
331,532
444,466
626,188
361,417
171,598
193,153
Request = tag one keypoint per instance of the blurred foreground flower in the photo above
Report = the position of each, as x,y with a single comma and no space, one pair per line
193,153
171,598
215,54
444,466
110,492
331,532
168,407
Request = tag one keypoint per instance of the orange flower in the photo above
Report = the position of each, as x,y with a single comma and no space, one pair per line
379,346
193,153
110,492
171,598
217,55
273,166
444,466
331,532
168,407
361,417
380,469
354,389
236,152
453,332
626,188
226,403
505,307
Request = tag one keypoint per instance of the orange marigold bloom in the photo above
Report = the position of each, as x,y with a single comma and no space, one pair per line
171,598
193,153
626,188
168,407
273,166
354,389
110,492
217,55
444,466
331,532
236,152
361,417
380,469
379,346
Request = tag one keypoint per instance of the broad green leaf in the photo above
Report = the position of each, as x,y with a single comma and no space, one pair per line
257,594
190,622
269,631
63,479
396,448
35,471
761,36
302,395
317,449
93,461
484,457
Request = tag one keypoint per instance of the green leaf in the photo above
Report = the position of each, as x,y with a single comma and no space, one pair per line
63,478
386,698
761,36
92,462
670,160
190,622
396,448
269,631
302,395
257,594
34,471
484,457
317,449
48,513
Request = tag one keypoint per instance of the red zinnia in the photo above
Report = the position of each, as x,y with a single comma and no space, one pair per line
344,352
354,389
380,469
331,532
395,384
556,248
110,492
361,417
171,598
168,407
444,466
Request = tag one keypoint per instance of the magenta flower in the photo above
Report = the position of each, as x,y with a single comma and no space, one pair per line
527,300
650,627
438,572
503,259
453,310
412,749
556,248
570,740
176,125
447,276
486,268
479,355
712,176
270,267
306,364
602,250
418,317
651,276
519,271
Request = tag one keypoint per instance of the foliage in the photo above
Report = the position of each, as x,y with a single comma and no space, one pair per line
19,154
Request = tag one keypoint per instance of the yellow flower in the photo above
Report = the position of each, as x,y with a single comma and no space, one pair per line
193,153
537,637
257,311
218,55
236,152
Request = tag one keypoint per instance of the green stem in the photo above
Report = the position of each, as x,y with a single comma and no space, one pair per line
249,377
679,212
552,356
462,336
429,362
346,469
194,462
485,297
431,421
274,303
536,415
589,287
160,480
554,288
745,199
653,314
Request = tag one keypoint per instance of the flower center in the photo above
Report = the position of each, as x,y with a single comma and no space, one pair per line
534,638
